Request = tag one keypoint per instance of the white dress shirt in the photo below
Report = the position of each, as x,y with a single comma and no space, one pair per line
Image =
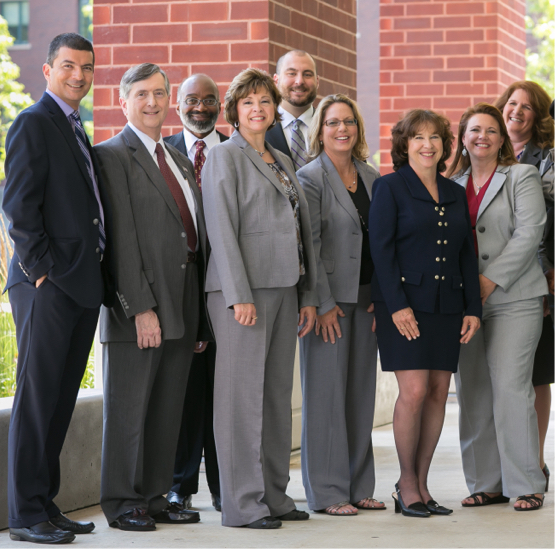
150,145
287,119
211,140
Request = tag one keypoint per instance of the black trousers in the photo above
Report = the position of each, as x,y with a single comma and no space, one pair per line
54,338
197,431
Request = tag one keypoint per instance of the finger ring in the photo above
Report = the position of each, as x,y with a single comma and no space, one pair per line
402,329
254,317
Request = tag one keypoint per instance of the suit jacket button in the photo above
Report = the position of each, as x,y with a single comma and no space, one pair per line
95,221
402,279
437,209
439,241
127,306
461,284
446,223
437,259
437,277
441,213
445,241
443,208
444,259
183,266
183,235
485,256
97,250
442,278
481,229
440,223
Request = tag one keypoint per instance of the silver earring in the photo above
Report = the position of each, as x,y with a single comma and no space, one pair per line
273,123
236,124
321,142
464,151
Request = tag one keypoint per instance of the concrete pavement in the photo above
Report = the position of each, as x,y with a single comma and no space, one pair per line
493,526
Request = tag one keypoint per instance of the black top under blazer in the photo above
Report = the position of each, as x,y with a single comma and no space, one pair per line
420,247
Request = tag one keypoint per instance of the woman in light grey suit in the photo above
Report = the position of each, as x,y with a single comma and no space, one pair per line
261,272
338,360
498,424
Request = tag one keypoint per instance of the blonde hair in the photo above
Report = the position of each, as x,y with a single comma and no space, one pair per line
360,150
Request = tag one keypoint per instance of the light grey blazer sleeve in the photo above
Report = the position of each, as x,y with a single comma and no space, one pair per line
509,228
336,230
250,224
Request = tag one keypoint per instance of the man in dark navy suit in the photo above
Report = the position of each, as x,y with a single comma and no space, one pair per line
57,280
198,106
297,81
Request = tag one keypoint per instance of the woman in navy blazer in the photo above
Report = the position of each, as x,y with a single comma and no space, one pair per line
426,293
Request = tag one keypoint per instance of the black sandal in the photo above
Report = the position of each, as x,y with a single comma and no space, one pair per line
486,500
533,500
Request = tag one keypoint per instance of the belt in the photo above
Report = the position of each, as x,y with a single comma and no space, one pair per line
192,257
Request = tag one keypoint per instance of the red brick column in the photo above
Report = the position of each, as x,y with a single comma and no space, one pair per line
446,55
217,37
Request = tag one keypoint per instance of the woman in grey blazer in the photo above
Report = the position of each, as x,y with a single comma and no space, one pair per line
525,107
261,272
338,360
498,424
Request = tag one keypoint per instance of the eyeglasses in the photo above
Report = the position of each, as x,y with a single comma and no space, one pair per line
334,123
195,102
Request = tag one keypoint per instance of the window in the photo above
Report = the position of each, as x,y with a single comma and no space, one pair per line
16,13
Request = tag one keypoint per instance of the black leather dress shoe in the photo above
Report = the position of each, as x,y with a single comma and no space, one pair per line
64,523
295,514
436,509
182,502
216,502
43,532
172,514
265,523
135,520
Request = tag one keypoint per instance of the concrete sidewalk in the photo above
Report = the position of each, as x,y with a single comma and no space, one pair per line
494,526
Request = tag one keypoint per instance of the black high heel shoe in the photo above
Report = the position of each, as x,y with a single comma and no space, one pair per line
436,509
417,509
545,471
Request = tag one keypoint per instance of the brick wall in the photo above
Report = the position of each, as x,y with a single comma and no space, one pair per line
446,55
324,28
219,38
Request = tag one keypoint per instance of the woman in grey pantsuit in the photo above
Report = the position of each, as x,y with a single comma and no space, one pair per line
338,365
498,424
261,272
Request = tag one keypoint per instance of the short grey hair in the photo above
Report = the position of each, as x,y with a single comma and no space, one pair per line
139,73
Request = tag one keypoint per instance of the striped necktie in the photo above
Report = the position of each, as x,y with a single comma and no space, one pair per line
84,146
298,148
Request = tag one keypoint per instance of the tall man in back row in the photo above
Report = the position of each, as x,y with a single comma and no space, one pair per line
297,81
198,105
57,212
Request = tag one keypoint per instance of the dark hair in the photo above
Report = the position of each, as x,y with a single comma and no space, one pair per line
360,150
69,40
460,162
409,126
300,53
542,129
246,82
138,73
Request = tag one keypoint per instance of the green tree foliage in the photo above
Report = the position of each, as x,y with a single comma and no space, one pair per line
540,22
12,98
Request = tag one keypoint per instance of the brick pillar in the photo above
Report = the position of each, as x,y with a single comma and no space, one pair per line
446,55
219,38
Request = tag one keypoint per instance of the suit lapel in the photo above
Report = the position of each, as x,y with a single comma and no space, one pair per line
64,125
532,155
497,182
277,139
140,154
337,186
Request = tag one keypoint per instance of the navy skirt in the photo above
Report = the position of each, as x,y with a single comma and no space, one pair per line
437,348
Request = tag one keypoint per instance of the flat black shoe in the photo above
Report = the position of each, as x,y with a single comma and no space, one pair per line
135,520
417,509
436,509
295,514
43,532
265,523
182,502
64,523
216,502
172,514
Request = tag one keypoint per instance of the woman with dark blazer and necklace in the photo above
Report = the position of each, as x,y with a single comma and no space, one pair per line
338,360
426,293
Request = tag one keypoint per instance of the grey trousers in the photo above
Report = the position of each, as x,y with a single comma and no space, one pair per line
252,404
144,391
339,389
497,422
